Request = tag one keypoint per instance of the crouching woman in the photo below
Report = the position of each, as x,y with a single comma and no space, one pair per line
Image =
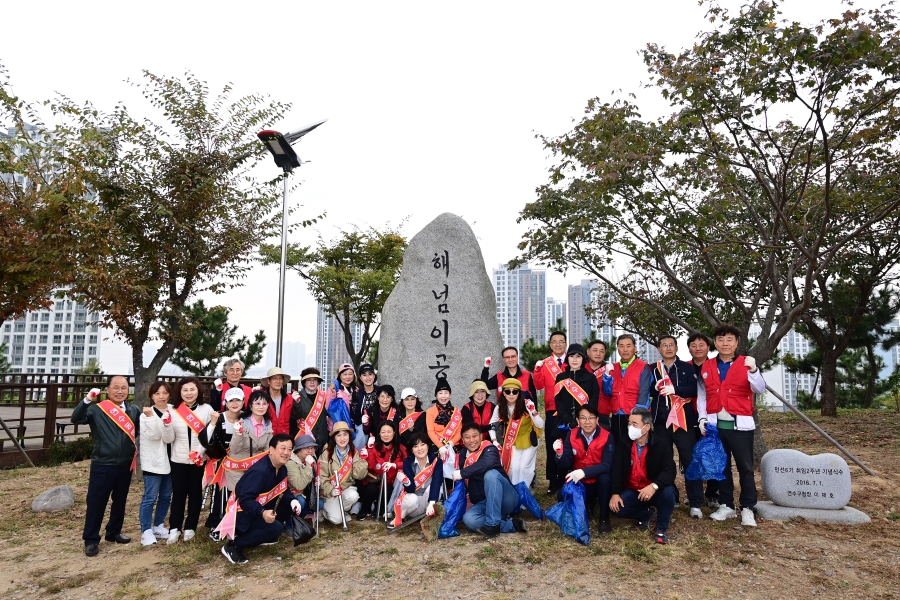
340,467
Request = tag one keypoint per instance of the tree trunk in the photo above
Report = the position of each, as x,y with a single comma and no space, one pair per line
873,376
759,443
828,370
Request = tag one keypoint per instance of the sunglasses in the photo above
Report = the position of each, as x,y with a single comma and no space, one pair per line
511,392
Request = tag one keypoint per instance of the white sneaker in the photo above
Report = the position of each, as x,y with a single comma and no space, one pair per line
696,513
160,532
174,534
748,519
189,534
723,513
147,538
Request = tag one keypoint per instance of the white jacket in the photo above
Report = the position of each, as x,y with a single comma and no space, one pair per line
154,436
185,439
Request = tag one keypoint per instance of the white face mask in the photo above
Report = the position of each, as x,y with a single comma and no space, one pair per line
634,432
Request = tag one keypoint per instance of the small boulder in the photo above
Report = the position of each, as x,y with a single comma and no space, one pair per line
60,497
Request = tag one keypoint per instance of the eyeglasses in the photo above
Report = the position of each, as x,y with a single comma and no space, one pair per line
558,342
587,418
511,392
510,357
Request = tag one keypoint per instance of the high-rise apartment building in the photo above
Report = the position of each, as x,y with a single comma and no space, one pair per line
521,304
331,351
580,325
556,312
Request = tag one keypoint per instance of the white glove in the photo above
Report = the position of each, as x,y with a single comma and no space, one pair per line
310,460
403,478
530,407
336,492
167,418
608,368
430,510
750,363
442,452
295,394
487,361
364,453
239,427
295,506
389,465
256,388
365,419
667,390
702,425
558,447
371,442
539,364
218,384
92,395
456,475
575,476
497,444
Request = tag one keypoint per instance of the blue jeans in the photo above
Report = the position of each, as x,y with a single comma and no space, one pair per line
663,499
501,500
155,486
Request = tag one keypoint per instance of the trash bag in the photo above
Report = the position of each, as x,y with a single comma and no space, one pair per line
454,509
338,411
449,463
529,501
301,529
571,514
709,457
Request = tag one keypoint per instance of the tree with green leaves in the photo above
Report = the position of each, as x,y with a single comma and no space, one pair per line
91,367
176,208
779,152
351,277
213,340
531,351
4,362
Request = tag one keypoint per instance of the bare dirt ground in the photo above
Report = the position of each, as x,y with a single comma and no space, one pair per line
41,554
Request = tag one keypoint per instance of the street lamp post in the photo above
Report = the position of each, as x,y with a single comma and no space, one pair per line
285,157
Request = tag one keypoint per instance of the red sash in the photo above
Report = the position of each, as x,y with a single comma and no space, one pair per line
120,418
230,464
307,424
676,412
452,426
214,473
344,470
511,432
550,364
408,422
573,388
229,521
419,480
391,414
189,417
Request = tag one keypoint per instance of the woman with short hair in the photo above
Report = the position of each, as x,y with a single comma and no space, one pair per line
156,434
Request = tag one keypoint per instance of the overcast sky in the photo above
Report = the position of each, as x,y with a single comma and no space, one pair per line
432,107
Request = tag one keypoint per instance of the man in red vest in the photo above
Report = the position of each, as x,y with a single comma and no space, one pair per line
725,398
596,352
627,382
234,370
512,369
699,346
588,453
643,476
545,372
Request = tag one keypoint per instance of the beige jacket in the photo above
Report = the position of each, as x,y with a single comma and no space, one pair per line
299,474
327,469
245,446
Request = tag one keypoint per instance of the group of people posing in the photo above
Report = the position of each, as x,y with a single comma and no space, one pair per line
255,455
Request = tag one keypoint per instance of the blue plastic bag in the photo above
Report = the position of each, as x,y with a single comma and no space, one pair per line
709,458
571,514
454,509
338,411
528,501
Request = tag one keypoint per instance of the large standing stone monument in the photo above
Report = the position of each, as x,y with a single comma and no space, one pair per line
816,488
441,318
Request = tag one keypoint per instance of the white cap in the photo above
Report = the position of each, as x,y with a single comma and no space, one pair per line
234,394
407,392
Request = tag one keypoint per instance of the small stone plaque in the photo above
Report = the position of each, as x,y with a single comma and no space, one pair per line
792,478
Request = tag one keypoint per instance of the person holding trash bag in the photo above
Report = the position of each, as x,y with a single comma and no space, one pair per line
385,458
586,455
301,474
493,497
643,476
264,501
418,485
340,467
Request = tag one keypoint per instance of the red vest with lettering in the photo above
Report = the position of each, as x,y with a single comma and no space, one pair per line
637,479
625,389
524,378
594,454
604,405
733,394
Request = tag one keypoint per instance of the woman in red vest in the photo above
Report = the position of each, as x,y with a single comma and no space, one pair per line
280,407
384,458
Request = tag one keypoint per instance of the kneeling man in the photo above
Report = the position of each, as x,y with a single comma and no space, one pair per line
587,451
643,476
493,497
263,500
